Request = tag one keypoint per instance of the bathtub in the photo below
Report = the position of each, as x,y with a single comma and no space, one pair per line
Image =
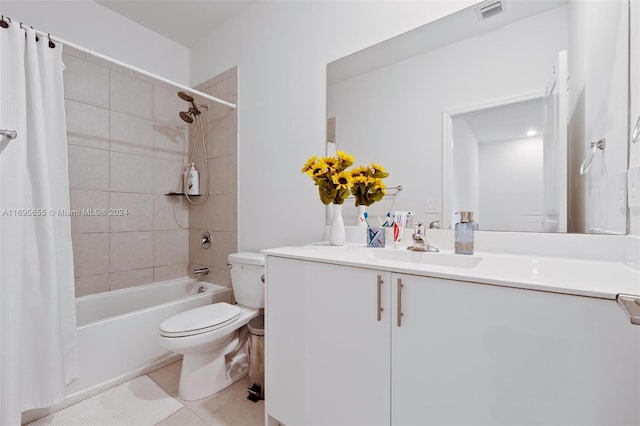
118,333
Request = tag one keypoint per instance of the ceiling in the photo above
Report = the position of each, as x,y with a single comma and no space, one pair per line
510,122
183,21
455,27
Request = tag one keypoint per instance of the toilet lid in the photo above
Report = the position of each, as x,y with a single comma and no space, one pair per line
200,320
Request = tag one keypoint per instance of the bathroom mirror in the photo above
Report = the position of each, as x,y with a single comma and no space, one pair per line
495,114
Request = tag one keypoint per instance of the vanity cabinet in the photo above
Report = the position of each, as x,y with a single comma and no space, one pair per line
328,356
470,354
443,351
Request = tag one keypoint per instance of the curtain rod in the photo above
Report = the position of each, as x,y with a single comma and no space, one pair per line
136,69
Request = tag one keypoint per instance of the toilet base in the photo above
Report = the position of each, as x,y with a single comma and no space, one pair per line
204,374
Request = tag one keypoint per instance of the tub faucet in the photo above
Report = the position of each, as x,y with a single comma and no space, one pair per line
434,225
197,272
419,243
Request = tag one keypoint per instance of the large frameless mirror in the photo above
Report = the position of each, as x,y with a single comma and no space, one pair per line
496,114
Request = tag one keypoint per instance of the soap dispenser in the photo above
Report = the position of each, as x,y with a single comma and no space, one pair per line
193,181
464,233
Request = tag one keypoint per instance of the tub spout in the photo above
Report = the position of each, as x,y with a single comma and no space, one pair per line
197,272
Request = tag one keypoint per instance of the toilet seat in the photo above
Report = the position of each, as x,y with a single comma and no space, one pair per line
200,320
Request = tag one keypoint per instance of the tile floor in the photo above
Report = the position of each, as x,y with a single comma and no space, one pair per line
229,407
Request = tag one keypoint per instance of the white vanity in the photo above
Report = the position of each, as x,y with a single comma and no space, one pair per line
365,336
368,336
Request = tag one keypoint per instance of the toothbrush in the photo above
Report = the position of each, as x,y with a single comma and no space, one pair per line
387,221
366,216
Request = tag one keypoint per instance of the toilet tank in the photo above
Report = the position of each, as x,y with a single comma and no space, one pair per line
247,278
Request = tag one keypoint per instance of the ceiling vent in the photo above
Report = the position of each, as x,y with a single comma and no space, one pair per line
491,9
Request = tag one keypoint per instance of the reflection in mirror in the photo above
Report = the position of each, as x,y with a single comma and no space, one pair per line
521,185
498,166
403,102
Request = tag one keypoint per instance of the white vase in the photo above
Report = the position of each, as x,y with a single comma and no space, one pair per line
360,220
336,237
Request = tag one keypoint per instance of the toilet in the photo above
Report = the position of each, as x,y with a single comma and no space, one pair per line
212,337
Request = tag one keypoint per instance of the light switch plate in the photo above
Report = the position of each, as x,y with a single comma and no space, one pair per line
633,186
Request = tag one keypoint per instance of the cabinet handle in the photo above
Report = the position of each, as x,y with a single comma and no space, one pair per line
400,285
379,310
631,306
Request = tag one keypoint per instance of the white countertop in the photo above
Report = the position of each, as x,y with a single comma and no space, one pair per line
576,276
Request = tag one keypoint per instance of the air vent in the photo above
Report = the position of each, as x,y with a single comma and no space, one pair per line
489,10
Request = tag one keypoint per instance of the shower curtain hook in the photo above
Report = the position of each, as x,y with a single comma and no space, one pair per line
37,38
3,23
52,45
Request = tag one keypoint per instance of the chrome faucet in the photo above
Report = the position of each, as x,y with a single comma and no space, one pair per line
434,225
419,242
197,272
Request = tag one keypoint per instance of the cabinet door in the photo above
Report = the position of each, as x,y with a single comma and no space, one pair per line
327,352
471,354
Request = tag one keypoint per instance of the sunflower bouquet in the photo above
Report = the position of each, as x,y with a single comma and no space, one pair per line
335,183
330,176
366,184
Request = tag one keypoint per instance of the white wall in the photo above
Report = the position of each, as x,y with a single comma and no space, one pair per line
598,87
407,99
511,174
95,27
282,49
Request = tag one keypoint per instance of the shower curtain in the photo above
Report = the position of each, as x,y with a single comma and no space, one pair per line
38,353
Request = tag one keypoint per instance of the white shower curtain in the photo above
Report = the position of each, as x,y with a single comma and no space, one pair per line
38,352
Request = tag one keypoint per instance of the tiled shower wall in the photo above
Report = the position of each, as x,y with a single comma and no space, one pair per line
127,148
219,214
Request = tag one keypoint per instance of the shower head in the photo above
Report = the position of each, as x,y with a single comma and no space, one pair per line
185,96
194,110
186,117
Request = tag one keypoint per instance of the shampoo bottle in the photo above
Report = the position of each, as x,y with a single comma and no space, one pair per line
464,233
193,181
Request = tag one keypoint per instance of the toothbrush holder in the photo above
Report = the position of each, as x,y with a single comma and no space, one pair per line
375,237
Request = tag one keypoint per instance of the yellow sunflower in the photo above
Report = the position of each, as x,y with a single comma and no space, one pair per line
331,162
342,180
360,171
346,159
358,178
378,185
379,171
309,164
318,168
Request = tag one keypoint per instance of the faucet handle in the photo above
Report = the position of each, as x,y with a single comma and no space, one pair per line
419,228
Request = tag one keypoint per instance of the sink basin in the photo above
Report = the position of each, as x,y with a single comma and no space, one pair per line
436,259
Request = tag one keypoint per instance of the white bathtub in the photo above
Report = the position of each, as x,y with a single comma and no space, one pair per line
118,333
